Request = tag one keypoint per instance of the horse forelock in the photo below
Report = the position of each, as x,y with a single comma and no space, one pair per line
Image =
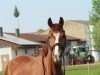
56,27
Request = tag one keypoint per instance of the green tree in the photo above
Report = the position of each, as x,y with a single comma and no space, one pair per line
40,30
16,14
95,22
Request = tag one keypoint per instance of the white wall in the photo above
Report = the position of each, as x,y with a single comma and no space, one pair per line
22,51
96,55
12,53
4,51
19,52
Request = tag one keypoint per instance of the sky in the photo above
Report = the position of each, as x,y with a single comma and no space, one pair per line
35,13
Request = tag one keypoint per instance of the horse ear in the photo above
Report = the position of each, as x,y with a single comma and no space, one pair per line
61,21
50,22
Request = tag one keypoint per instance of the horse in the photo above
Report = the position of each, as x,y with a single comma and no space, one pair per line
48,62
57,43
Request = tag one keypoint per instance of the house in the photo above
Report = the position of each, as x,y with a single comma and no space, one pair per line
32,37
11,46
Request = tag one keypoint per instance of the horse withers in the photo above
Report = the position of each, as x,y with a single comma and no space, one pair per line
48,62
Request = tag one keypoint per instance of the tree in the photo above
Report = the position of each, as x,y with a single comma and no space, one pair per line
16,14
95,22
40,30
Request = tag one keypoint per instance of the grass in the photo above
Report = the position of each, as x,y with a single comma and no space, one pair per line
1,73
94,69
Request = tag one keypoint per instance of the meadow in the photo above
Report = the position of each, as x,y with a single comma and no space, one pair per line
91,69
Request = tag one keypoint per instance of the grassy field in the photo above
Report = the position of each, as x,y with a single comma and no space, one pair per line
93,69
0,73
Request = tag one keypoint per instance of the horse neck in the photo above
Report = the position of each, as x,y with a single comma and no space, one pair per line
52,68
48,62
58,68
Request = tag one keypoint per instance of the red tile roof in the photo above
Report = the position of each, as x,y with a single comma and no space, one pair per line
41,38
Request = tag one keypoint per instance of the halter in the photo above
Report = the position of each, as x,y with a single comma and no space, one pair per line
52,48
56,44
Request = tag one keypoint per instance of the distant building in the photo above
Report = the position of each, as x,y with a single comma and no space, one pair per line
11,46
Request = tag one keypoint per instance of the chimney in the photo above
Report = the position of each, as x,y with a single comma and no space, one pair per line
17,33
1,32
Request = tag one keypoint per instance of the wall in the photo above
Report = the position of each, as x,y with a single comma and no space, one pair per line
96,55
4,51
19,52
73,43
12,53
30,51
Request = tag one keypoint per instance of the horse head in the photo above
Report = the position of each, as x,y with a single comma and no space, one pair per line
57,40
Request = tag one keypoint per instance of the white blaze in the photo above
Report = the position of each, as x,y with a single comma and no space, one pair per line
56,52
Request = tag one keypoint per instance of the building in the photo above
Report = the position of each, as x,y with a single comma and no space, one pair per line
90,43
11,46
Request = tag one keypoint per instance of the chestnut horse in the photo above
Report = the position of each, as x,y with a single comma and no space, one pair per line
48,62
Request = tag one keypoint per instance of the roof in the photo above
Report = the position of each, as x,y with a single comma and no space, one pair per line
41,38
71,38
76,28
31,36
80,21
4,43
17,40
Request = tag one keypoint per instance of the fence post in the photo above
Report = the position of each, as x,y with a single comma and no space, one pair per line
88,67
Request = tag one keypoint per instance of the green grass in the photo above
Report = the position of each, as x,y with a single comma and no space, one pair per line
0,73
83,70
94,69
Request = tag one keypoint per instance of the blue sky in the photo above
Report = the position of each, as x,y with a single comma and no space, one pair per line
35,13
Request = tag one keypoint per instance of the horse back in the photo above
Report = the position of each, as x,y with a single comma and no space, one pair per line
24,65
